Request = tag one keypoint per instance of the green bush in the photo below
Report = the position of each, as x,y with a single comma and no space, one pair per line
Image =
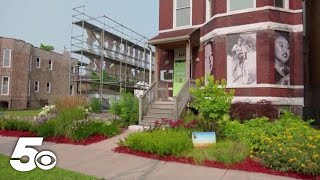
65,119
227,152
160,142
47,129
87,128
212,100
288,144
95,105
127,108
15,124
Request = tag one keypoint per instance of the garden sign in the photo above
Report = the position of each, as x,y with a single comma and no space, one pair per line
203,139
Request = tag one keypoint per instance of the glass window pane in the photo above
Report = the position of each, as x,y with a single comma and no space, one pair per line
279,3
6,57
5,81
183,3
183,17
240,4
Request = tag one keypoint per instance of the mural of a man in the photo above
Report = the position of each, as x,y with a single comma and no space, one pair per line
241,60
282,55
208,58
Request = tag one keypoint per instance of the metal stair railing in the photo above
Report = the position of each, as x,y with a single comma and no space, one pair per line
146,100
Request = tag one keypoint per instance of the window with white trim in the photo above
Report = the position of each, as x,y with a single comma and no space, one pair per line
49,87
36,86
71,90
234,5
209,9
50,64
38,62
5,85
182,12
6,63
281,3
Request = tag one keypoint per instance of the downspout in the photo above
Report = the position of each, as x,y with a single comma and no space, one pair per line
150,65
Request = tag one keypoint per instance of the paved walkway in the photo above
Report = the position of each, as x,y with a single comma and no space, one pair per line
100,161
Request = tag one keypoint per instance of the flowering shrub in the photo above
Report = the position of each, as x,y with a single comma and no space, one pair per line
175,124
47,113
288,144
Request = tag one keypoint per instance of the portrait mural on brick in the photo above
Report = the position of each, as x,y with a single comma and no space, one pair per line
282,58
241,59
208,58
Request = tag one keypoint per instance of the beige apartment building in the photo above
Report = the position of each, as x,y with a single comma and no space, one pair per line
31,77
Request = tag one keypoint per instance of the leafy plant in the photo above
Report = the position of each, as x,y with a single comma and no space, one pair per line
47,129
169,142
87,128
15,124
46,47
212,100
127,108
244,111
95,105
288,144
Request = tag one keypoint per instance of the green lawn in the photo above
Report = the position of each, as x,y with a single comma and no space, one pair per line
8,173
22,114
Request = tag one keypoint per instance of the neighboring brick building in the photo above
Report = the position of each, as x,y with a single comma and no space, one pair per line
31,77
256,45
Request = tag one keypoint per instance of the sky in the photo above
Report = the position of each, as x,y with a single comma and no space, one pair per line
50,21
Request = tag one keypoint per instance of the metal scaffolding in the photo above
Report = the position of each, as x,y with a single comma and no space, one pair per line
110,55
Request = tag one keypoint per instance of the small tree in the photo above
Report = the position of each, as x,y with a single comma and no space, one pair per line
212,100
46,47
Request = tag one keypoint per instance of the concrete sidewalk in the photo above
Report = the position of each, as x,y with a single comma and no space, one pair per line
100,161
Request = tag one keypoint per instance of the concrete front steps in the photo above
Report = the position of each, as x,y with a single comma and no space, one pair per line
157,111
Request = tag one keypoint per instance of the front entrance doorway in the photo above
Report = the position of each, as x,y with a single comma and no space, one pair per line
179,70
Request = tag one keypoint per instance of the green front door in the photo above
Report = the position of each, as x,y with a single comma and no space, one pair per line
179,75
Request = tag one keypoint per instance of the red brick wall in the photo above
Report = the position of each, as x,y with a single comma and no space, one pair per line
265,64
198,11
295,4
220,6
197,67
165,14
261,3
252,17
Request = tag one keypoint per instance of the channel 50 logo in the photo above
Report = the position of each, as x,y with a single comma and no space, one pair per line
44,160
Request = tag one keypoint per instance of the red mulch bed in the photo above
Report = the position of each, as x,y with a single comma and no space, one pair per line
248,165
58,140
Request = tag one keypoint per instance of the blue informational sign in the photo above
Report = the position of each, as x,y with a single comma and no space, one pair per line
203,139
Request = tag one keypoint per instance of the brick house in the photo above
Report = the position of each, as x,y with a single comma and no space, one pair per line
31,77
256,45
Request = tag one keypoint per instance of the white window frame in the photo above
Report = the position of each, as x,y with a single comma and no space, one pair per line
48,90
35,86
50,65
285,4
175,15
38,63
228,6
209,14
7,94
3,57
